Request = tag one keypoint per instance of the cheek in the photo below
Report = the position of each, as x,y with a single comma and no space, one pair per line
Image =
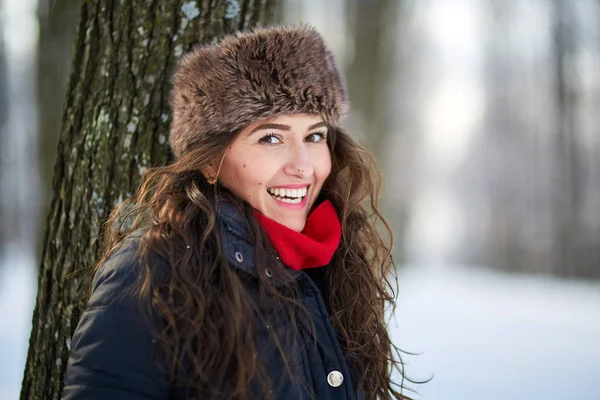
249,181
323,167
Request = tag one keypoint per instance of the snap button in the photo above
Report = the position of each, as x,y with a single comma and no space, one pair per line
268,273
238,256
335,378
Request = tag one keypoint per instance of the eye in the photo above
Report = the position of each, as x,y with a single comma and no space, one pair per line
317,137
271,138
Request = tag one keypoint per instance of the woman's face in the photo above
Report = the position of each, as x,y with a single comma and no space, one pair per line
279,166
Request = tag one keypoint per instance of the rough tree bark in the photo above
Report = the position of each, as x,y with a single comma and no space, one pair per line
114,126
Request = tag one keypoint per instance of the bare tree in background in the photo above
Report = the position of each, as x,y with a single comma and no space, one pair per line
370,20
373,24
4,206
566,191
575,252
503,175
531,167
114,126
58,25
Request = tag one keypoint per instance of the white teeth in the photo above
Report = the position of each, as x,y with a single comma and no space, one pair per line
292,196
291,201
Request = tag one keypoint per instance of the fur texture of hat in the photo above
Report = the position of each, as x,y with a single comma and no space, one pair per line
221,88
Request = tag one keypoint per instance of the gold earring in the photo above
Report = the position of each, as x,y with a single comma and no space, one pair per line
212,179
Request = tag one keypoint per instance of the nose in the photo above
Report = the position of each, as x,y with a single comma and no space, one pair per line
300,164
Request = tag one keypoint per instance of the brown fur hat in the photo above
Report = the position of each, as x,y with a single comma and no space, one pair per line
222,88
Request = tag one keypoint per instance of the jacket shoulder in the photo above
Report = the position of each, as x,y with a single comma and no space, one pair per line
114,352
120,272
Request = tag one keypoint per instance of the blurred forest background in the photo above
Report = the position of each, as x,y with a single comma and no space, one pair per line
483,115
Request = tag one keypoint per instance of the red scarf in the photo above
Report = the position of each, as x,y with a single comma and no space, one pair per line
311,248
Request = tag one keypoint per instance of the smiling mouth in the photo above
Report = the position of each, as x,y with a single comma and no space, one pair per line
291,196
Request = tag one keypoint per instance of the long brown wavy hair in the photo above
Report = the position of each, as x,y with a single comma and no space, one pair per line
177,211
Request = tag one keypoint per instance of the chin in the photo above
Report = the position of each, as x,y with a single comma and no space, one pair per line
297,226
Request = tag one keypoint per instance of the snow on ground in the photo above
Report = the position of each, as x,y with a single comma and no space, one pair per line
482,335
485,336
18,286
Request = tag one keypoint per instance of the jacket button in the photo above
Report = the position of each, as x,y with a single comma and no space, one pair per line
238,256
335,378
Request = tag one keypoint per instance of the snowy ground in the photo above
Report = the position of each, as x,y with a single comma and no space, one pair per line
487,336
481,335
18,286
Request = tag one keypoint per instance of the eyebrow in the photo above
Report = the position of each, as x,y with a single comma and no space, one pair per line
286,127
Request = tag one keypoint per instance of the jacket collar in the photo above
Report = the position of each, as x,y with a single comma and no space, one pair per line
236,242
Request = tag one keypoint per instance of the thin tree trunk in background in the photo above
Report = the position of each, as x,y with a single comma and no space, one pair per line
368,76
58,26
114,126
5,211
372,64
502,136
568,191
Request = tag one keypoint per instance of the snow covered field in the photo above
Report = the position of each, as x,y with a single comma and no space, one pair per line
18,287
488,336
481,335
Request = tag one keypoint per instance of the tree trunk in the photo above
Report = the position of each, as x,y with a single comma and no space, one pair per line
368,77
5,210
568,189
58,25
371,68
114,126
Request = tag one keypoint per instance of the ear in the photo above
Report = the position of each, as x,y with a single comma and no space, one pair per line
209,172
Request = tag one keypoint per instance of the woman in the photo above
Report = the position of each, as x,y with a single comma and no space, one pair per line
250,267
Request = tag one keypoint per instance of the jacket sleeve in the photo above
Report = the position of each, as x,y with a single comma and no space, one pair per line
113,352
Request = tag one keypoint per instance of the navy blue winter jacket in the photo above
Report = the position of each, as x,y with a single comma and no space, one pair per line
113,352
